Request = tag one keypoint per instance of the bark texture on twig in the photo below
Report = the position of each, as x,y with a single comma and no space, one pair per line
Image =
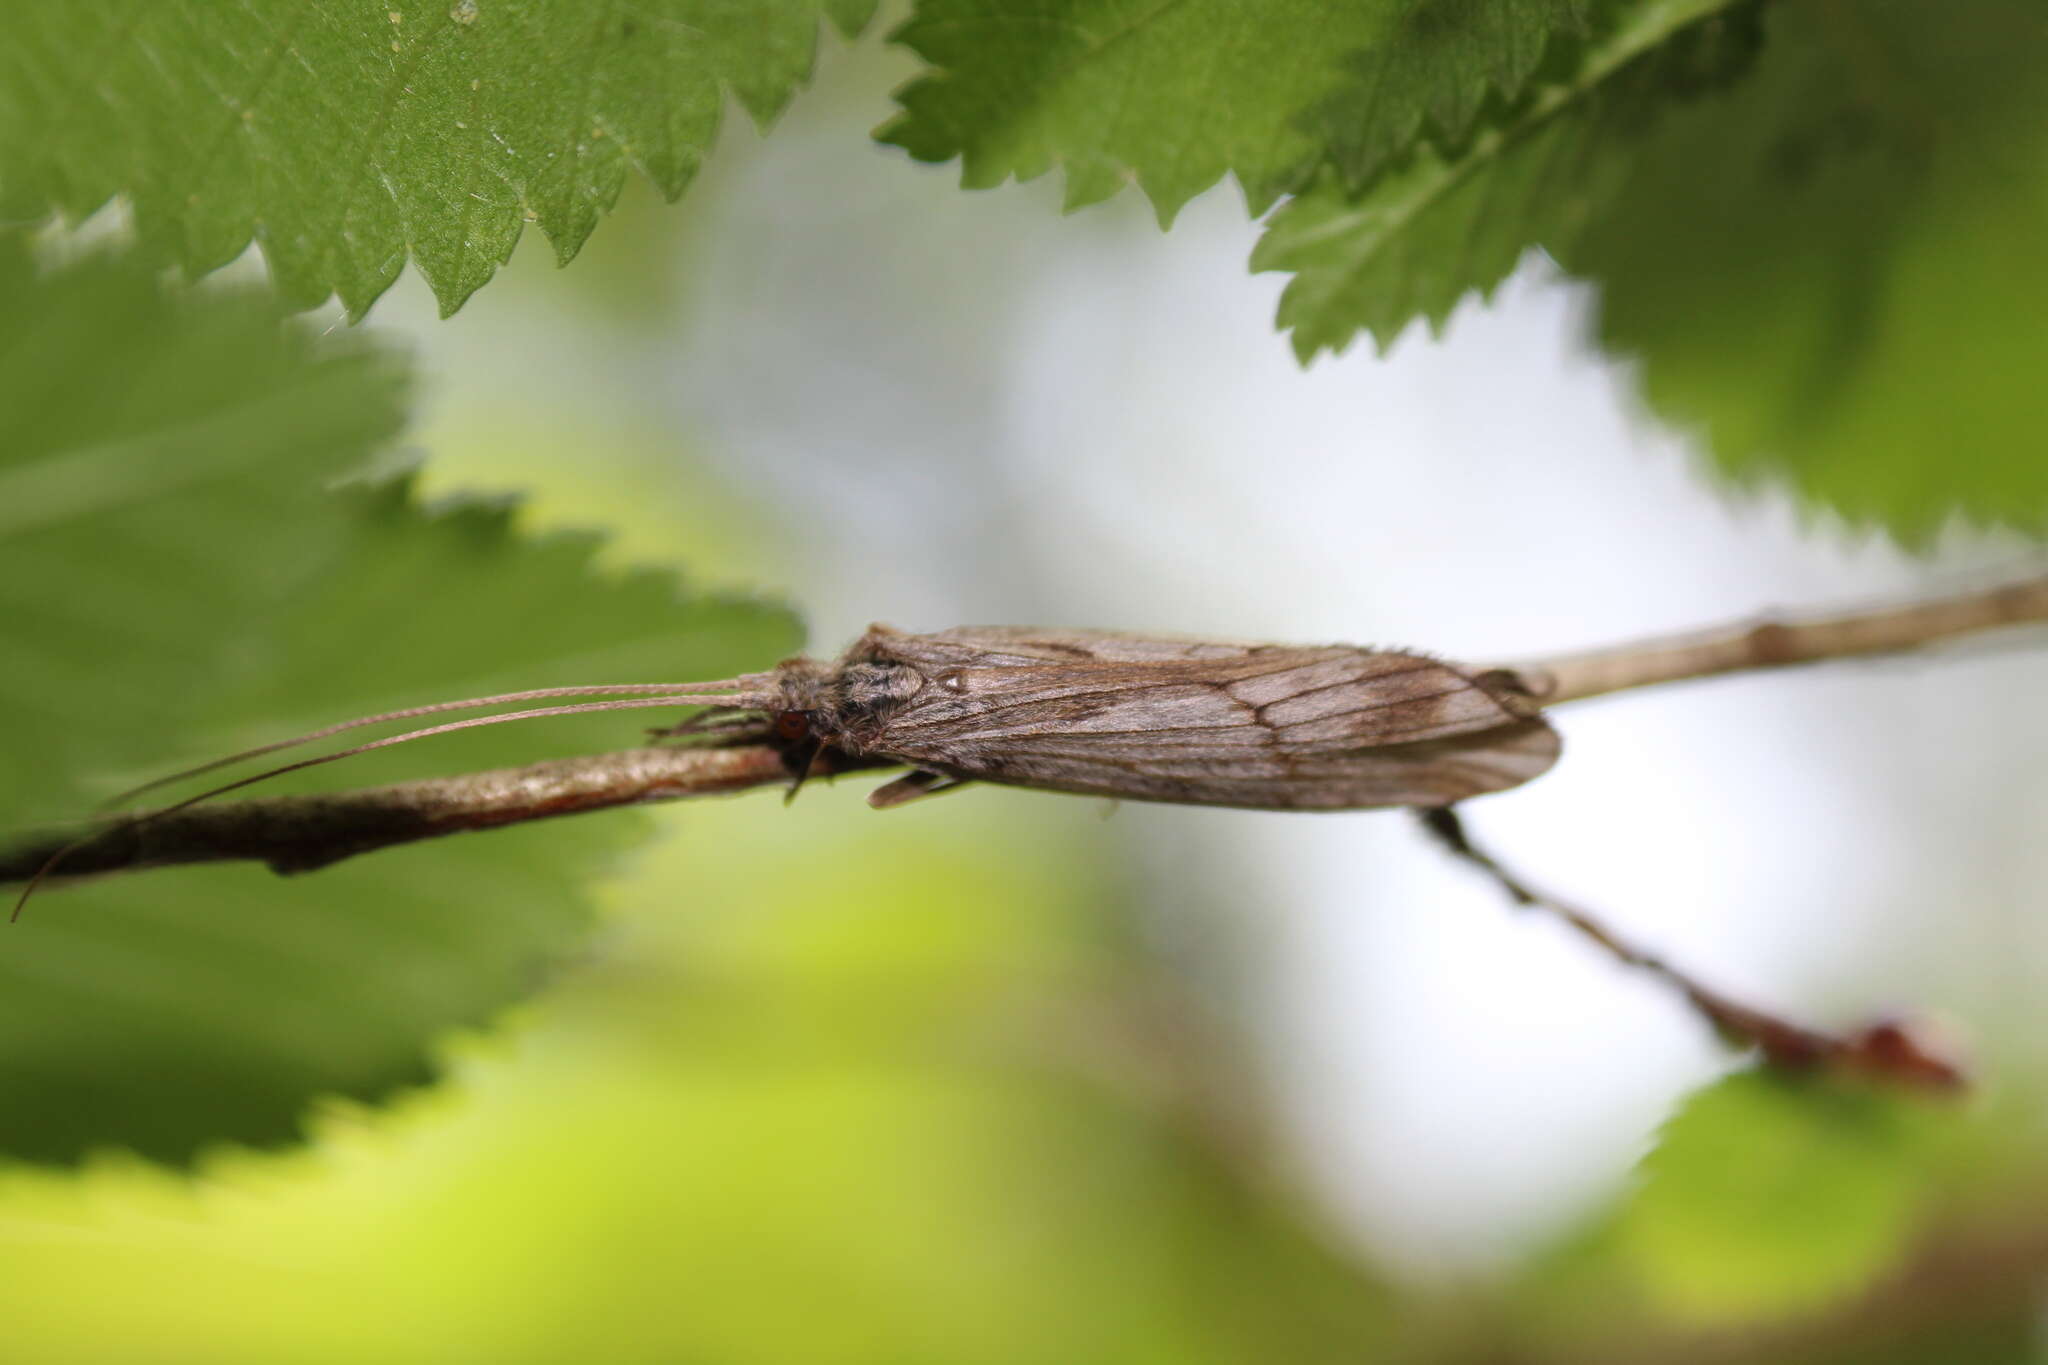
1773,643
300,833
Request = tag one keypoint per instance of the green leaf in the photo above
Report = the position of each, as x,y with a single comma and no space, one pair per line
913,1071
179,580
1442,61
345,135
1441,225
1769,1196
1173,95
1829,269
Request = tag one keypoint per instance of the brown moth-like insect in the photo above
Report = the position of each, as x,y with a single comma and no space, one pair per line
1210,723
1145,718
1148,718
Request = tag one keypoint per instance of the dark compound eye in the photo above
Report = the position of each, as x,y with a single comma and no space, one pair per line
792,726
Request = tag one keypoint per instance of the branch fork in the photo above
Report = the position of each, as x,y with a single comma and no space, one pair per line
300,833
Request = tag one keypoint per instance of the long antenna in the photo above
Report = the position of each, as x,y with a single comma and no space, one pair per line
435,708
748,692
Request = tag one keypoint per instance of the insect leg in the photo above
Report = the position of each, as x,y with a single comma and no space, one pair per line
714,720
911,787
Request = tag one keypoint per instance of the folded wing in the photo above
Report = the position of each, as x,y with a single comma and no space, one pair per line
1208,723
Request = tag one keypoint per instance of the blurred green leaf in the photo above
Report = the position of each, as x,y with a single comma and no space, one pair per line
346,135
1769,1196
1829,268
1175,95
920,1081
178,582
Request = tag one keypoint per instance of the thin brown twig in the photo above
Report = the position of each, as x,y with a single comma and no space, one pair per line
301,833
1773,643
1889,1048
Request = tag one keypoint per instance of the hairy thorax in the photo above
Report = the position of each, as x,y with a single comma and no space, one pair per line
848,705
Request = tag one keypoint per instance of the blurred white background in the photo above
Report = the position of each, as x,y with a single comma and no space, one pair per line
962,409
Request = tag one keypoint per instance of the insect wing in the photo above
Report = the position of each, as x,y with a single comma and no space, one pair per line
1209,723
